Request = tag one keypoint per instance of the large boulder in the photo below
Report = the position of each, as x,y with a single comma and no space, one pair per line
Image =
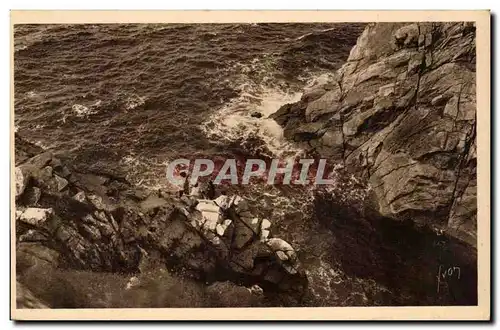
36,217
242,242
401,113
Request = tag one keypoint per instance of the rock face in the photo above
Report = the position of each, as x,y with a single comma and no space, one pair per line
26,299
401,113
95,223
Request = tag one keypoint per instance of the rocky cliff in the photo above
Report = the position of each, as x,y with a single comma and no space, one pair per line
92,240
401,113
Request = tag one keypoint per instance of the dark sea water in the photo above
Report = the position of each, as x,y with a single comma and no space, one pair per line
130,98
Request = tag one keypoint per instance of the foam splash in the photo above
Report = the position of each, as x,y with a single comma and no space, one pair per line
83,111
145,172
312,33
234,122
319,80
134,101
265,95
31,94
42,144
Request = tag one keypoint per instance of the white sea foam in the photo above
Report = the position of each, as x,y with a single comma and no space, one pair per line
31,94
317,81
41,145
234,122
82,111
145,172
134,101
311,33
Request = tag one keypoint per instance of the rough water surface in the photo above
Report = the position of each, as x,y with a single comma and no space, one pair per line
142,95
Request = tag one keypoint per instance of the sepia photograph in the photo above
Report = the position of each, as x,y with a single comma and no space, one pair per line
248,164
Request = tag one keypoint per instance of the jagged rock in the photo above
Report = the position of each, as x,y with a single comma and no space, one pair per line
63,171
96,201
281,255
39,161
265,229
407,35
264,234
34,216
240,204
221,228
64,233
89,182
207,189
32,236
92,232
277,244
256,114
289,268
21,180
101,216
228,233
61,182
30,254
242,235
24,150
80,196
285,253
202,237
402,115
56,163
244,261
252,223
101,203
255,289
210,212
31,196
265,224
43,178
133,282
223,201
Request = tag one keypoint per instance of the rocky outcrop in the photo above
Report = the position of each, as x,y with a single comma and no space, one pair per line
26,299
401,113
80,221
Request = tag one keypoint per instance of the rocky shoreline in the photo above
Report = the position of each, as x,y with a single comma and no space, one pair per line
400,119
97,223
